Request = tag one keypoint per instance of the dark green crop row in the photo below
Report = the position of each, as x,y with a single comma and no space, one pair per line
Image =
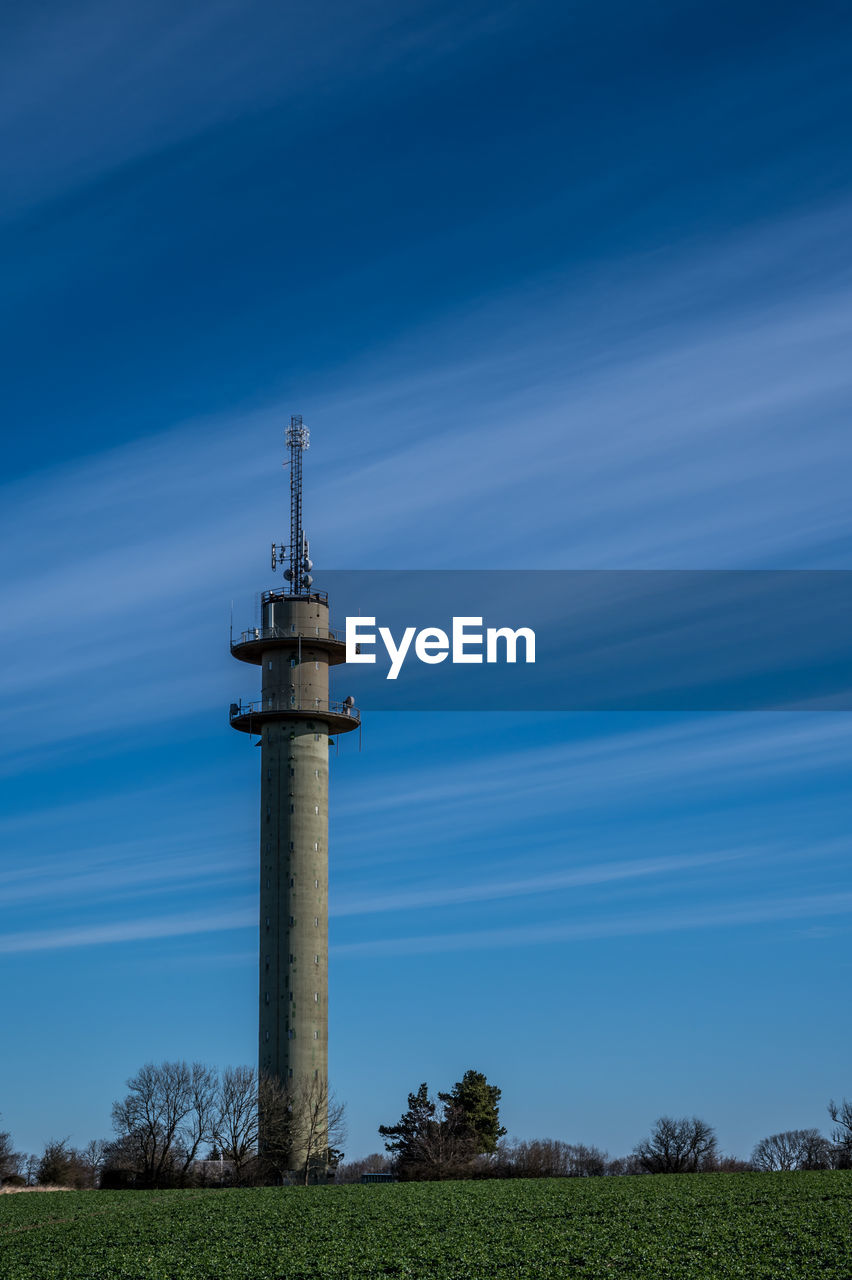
793,1226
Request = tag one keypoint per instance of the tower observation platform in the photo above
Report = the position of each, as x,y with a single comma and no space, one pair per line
294,719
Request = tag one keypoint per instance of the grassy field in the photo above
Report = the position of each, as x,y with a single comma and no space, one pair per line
796,1225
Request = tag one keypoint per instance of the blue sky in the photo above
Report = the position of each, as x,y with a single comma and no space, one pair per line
555,287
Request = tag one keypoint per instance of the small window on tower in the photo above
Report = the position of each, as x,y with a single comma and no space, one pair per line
316,844
269,665
292,773
316,1035
316,808
316,997
316,737
316,959
316,884
292,882
291,1034
316,922
292,920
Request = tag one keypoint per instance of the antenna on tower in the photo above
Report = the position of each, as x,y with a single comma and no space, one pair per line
297,552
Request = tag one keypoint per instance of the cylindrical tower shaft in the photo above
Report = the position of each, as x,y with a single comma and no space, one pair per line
294,719
294,858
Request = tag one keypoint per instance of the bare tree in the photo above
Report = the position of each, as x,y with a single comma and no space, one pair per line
550,1158
275,1129
446,1148
733,1164
199,1120
353,1170
792,1149
235,1128
164,1119
687,1145
318,1127
841,1114
93,1156
10,1160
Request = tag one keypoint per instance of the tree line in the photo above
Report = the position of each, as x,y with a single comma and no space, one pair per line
183,1124
458,1135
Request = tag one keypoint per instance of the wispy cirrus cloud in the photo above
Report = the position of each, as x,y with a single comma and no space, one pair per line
426,896
626,463
694,755
88,90
728,915
674,872
127,930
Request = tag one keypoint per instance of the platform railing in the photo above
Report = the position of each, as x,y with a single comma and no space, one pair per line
284,633
279,593
282,703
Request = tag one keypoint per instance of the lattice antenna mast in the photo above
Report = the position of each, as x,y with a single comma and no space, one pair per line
297,553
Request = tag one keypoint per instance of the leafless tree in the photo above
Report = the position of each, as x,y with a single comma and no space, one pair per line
443,1148
235,1128
792,1149
733,1164
199,1120
318,1126
10,1160
164,1119
93,1156
841,1114
275,1129
687,1145
353,1170
551,1158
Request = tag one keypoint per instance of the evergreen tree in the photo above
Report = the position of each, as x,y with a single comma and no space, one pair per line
475,1103
406,1137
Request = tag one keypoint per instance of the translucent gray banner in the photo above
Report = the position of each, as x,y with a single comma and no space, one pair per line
603,640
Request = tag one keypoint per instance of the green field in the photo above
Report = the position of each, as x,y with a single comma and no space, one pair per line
796,1225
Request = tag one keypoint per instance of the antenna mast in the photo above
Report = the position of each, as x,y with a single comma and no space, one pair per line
297,553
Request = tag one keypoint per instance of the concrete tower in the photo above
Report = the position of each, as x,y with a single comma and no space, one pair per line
294,720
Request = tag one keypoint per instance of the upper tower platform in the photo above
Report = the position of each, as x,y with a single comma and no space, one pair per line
295,647
286,620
